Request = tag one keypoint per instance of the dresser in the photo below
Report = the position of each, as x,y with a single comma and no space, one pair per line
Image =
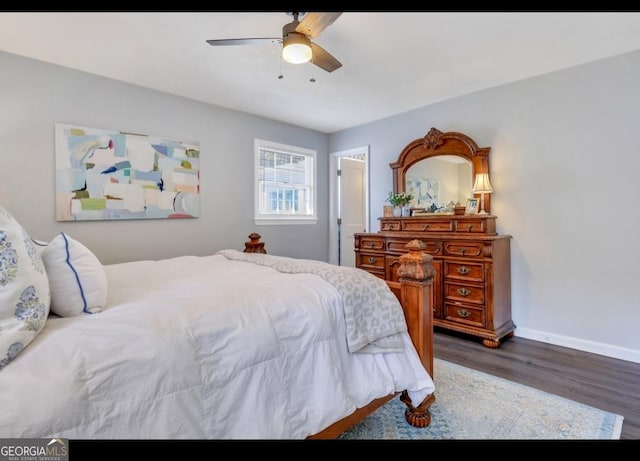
472,283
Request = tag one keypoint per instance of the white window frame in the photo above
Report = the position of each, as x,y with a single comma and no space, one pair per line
262,218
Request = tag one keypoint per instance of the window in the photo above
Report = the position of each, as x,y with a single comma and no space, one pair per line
285,184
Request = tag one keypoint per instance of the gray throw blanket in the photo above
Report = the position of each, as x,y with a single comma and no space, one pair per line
372,313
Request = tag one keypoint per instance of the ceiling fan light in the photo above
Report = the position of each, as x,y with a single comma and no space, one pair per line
296,48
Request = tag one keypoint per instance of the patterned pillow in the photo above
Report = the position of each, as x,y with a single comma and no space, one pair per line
39,245
77,279
24,289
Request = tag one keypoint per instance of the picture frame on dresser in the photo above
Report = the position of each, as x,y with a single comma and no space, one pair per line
472,206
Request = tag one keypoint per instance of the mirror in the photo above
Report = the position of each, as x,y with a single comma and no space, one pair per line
437,181
440,168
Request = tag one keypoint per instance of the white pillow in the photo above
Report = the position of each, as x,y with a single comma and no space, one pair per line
77,279
24,289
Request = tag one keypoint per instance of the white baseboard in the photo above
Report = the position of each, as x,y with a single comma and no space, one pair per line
630,355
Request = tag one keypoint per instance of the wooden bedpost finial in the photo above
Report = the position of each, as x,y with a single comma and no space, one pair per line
254,245
416,264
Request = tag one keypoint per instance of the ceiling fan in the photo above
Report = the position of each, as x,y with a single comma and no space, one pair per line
297,46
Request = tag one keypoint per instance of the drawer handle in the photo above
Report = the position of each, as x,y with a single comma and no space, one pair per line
463,291
464,270
372,260
371,245
391,226
425,227
469,227
463,313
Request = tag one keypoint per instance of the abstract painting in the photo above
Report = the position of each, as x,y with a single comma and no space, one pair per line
425,192
107,175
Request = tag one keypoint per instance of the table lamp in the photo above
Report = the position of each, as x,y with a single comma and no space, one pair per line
482,186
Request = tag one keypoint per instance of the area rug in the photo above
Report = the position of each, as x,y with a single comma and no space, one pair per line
474,405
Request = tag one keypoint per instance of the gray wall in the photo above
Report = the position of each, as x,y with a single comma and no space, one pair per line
34,95
564,166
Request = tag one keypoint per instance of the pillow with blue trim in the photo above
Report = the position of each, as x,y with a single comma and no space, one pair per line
77,279
24,289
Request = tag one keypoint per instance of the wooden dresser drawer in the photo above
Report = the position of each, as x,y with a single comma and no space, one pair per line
475,226
371,243
468,271
427,225
433,247
390,226
370,261
464,249
464,314
463,292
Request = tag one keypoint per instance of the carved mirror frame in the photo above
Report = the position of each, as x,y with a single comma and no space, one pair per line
436,143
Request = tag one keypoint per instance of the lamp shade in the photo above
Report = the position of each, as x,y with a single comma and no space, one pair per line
296,48
482,184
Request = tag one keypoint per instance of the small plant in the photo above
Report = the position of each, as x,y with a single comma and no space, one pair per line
402,199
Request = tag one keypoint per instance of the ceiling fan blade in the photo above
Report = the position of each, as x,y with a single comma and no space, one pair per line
321,58
244,41
312,24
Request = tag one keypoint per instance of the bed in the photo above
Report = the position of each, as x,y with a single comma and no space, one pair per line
233,345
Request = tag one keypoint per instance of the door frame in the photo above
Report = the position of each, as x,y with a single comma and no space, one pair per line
334,196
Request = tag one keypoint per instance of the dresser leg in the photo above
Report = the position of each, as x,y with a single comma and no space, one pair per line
491,343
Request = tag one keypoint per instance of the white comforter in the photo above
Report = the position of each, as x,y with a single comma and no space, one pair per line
200,347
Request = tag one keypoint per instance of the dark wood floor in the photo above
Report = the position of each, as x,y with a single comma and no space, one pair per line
602,382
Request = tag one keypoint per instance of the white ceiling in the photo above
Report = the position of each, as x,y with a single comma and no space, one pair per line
392,62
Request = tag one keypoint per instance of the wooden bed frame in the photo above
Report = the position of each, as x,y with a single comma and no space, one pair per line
415,292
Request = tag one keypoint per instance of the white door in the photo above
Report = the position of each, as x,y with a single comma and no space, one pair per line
352,213
349,203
